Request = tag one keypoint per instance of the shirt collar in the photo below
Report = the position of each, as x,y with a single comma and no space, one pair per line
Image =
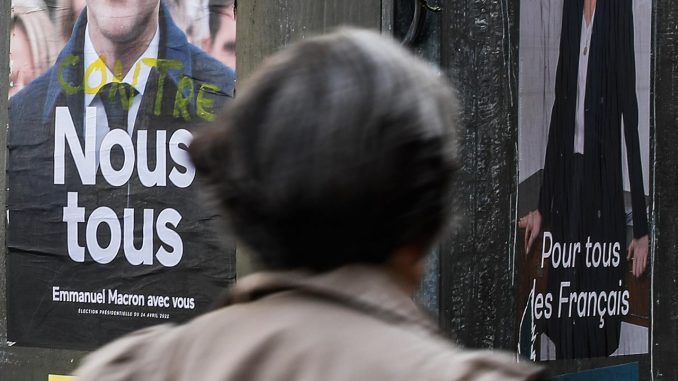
136,77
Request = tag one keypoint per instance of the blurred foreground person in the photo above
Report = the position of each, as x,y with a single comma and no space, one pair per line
334,165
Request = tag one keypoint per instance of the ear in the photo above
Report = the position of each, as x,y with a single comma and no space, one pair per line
408,265
410,255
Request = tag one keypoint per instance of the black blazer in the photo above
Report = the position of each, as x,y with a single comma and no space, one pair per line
610,96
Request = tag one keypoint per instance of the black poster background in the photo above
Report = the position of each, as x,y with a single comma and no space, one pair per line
180,96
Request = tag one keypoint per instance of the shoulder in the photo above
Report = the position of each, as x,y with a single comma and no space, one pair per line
26,110
344,343
278,333
480,365
418,356
129,357
33,95
207,69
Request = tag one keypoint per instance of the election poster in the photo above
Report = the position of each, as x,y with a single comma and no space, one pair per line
583,238
109,230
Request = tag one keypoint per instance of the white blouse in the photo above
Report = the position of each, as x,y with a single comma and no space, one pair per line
584,53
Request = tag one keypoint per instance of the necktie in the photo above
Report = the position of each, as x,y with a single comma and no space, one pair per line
117,99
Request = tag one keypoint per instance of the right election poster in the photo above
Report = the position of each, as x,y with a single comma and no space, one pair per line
582,255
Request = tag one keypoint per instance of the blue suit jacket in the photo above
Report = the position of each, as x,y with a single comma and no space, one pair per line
37,233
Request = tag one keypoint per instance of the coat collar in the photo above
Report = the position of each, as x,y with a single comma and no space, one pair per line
68,68
369,289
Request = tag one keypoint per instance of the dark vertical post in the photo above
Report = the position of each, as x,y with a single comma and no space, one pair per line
479,51
5,6
664,350
427,46
265,26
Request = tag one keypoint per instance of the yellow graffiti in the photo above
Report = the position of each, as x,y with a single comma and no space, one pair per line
181,102
126,96
203,104
54,377
185,91
100,65
68,61
164,66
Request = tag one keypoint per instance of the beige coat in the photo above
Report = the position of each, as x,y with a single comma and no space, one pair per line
353,323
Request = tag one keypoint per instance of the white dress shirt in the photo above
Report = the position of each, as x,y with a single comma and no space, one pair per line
137,77
584,53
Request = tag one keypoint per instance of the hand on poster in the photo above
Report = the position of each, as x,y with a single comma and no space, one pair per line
532,225
637,254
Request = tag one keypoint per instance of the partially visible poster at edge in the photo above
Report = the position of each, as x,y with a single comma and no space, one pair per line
582,255
108,228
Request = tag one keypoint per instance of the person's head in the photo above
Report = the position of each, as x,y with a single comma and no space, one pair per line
122,21
221,42
339,150
32,46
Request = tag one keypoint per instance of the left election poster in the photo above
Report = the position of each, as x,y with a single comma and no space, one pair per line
108,228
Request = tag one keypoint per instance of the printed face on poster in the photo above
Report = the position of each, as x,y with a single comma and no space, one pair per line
108,228
582,247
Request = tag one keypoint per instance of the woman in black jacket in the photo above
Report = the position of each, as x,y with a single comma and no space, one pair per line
582,196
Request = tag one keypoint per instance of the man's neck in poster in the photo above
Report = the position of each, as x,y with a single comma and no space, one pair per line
125,54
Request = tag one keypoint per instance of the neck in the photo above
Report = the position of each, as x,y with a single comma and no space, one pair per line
589,8
406,267
120,57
